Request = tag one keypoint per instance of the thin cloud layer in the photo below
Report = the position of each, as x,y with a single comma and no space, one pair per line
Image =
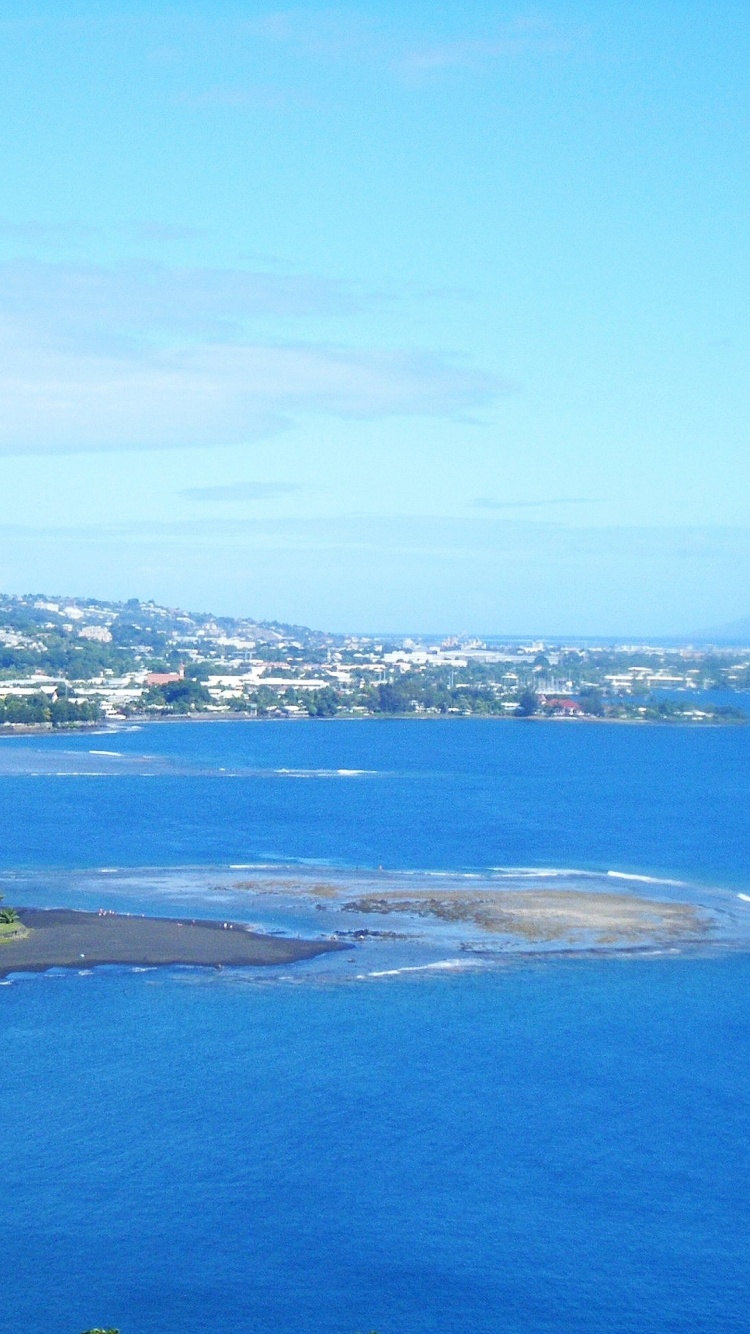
241,491
144,356
338,34
34,232
166,232
488,503
71,236
317,32
377,572
142,301
522,36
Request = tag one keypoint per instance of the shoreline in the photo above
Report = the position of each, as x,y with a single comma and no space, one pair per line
72,938
395,922
139,720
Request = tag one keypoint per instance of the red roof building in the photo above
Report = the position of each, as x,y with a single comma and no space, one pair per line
164,678
560,704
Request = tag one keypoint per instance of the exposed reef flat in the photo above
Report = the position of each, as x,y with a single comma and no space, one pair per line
64,938
501,909
357,921
542,916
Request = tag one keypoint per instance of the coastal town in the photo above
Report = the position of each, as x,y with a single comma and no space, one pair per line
72,662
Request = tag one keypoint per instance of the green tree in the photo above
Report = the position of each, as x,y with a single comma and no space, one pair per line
391,699
591,701
179,696
322,703
200,671
527,704
183,696
64,711
25,709
265,699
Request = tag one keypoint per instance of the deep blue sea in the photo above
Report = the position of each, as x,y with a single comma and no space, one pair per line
554,1146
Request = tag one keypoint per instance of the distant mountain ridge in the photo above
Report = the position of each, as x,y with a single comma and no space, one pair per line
735,633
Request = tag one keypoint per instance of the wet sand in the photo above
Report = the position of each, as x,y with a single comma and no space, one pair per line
546,915
63,938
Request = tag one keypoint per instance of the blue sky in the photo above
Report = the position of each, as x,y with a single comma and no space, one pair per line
426,317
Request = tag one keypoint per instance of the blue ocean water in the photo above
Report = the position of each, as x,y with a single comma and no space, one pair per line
551,1145
451,794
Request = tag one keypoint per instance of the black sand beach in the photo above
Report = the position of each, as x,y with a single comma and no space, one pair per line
63,938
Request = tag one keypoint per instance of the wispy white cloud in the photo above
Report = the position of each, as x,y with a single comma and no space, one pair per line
137,302
488,503
47,235
377,573
430,534
355,35
144,356
521,36
321,32
211,394
239,492
251,97
37,235
166,232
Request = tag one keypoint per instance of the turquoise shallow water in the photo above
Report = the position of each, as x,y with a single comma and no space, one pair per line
543,1146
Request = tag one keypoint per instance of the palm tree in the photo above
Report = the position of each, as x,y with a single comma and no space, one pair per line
8,916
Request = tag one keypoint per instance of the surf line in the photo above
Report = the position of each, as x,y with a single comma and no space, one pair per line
421,968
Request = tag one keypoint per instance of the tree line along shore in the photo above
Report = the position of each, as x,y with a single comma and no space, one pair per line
67,663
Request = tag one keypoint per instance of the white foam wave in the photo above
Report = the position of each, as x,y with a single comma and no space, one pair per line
317,773
114,730
441,965
444,875
544,872
745,897
645,879
78,773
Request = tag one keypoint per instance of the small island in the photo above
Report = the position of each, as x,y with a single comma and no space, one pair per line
42,938
478,913
545,916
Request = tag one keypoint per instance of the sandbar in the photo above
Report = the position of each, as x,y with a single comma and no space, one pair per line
67,938
547,915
